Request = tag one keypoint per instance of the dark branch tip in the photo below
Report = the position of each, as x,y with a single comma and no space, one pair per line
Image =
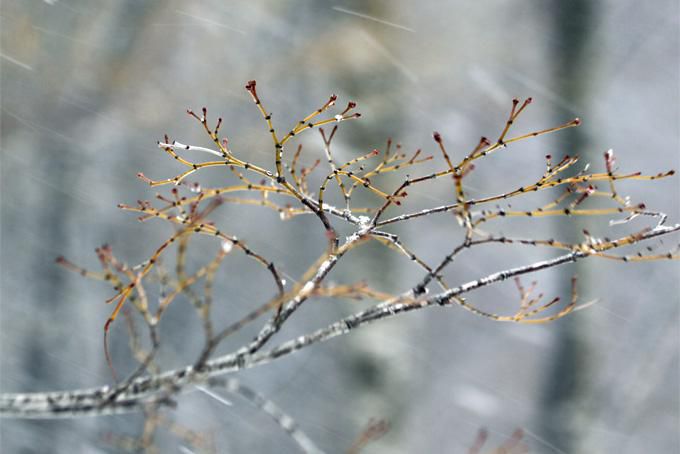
437,137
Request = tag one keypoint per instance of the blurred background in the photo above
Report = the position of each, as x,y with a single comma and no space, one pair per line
88,87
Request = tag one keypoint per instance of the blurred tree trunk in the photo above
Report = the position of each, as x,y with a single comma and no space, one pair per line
377,385
46,141
563,414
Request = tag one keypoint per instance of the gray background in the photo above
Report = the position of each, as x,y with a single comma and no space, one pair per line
88,87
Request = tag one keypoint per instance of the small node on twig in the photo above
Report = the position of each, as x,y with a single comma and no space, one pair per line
250,86
144,178
350,105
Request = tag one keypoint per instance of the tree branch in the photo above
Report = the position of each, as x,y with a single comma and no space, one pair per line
143,390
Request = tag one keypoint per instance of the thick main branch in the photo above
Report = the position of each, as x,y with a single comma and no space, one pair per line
97,401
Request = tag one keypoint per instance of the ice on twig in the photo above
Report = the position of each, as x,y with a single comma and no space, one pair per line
227,246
